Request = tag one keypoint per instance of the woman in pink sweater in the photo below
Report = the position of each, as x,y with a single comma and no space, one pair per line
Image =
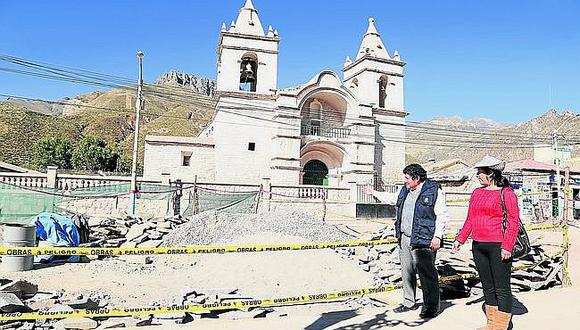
492,246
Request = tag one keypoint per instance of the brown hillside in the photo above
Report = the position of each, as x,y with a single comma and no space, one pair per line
109,115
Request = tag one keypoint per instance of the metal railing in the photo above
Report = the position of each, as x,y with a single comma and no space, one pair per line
65,181
310,192
365,198
331,132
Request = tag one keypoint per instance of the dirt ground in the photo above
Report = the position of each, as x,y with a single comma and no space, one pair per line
556,308
273,274
255,275
535,310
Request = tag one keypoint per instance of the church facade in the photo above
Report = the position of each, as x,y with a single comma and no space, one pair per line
331,130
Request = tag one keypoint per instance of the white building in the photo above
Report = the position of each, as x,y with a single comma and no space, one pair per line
547,153
330,130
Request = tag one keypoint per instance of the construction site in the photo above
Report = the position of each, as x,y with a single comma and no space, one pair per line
230,257
348,166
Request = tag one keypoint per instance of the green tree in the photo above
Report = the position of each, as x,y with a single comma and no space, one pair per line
93,154
112,159
124,164
52,151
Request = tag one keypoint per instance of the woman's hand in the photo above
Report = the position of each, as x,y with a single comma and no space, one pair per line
456,246
435,244
505,255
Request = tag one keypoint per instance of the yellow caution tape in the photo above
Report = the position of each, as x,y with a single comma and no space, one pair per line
542,227
463,200
535,193
79,251
449,236
195,308
233,304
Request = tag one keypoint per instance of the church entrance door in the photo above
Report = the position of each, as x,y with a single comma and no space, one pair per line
315,173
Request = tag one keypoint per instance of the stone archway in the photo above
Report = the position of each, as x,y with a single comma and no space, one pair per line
328,156
315,173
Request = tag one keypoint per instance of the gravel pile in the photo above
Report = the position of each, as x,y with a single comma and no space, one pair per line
219,228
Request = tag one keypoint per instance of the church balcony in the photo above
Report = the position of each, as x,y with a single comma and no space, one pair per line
324,131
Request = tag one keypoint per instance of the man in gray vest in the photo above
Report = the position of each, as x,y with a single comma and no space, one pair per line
419,227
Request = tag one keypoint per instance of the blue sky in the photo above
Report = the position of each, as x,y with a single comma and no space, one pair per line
490,59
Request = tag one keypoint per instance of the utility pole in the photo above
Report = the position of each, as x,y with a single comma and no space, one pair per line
566,281
558,178
566,194
557,163
138,108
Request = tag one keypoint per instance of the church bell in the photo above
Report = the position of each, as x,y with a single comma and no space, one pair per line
247,73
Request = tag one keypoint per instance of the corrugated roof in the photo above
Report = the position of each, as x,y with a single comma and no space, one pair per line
534,165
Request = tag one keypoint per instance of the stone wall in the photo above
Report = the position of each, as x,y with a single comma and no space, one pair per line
116,207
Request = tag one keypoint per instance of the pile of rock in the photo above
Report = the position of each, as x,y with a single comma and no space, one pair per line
213,227
383,262
130,232
546,273
22,296
214,296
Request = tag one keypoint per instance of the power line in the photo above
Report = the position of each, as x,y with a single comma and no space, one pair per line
146,113
170,93
416,141
192,98
63,71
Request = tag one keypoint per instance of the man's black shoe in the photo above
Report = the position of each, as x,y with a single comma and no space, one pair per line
428,314
404,309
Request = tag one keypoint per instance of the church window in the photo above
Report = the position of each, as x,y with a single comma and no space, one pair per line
382,91
185,158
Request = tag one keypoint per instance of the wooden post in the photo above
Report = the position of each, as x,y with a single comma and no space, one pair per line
258,200
195,197
177,198
566,281
566,195
324,206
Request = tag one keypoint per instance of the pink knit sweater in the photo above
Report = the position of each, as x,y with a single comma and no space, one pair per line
485,215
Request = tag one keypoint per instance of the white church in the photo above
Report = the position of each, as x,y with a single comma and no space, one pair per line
332,130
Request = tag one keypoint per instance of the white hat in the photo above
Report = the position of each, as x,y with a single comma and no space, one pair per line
491,162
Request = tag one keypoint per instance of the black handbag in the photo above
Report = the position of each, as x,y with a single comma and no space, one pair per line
522,246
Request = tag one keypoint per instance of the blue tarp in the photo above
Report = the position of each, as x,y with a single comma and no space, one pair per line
57,230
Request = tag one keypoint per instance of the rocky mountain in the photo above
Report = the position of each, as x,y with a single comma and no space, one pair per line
199,85
456,121
447,138
40,107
